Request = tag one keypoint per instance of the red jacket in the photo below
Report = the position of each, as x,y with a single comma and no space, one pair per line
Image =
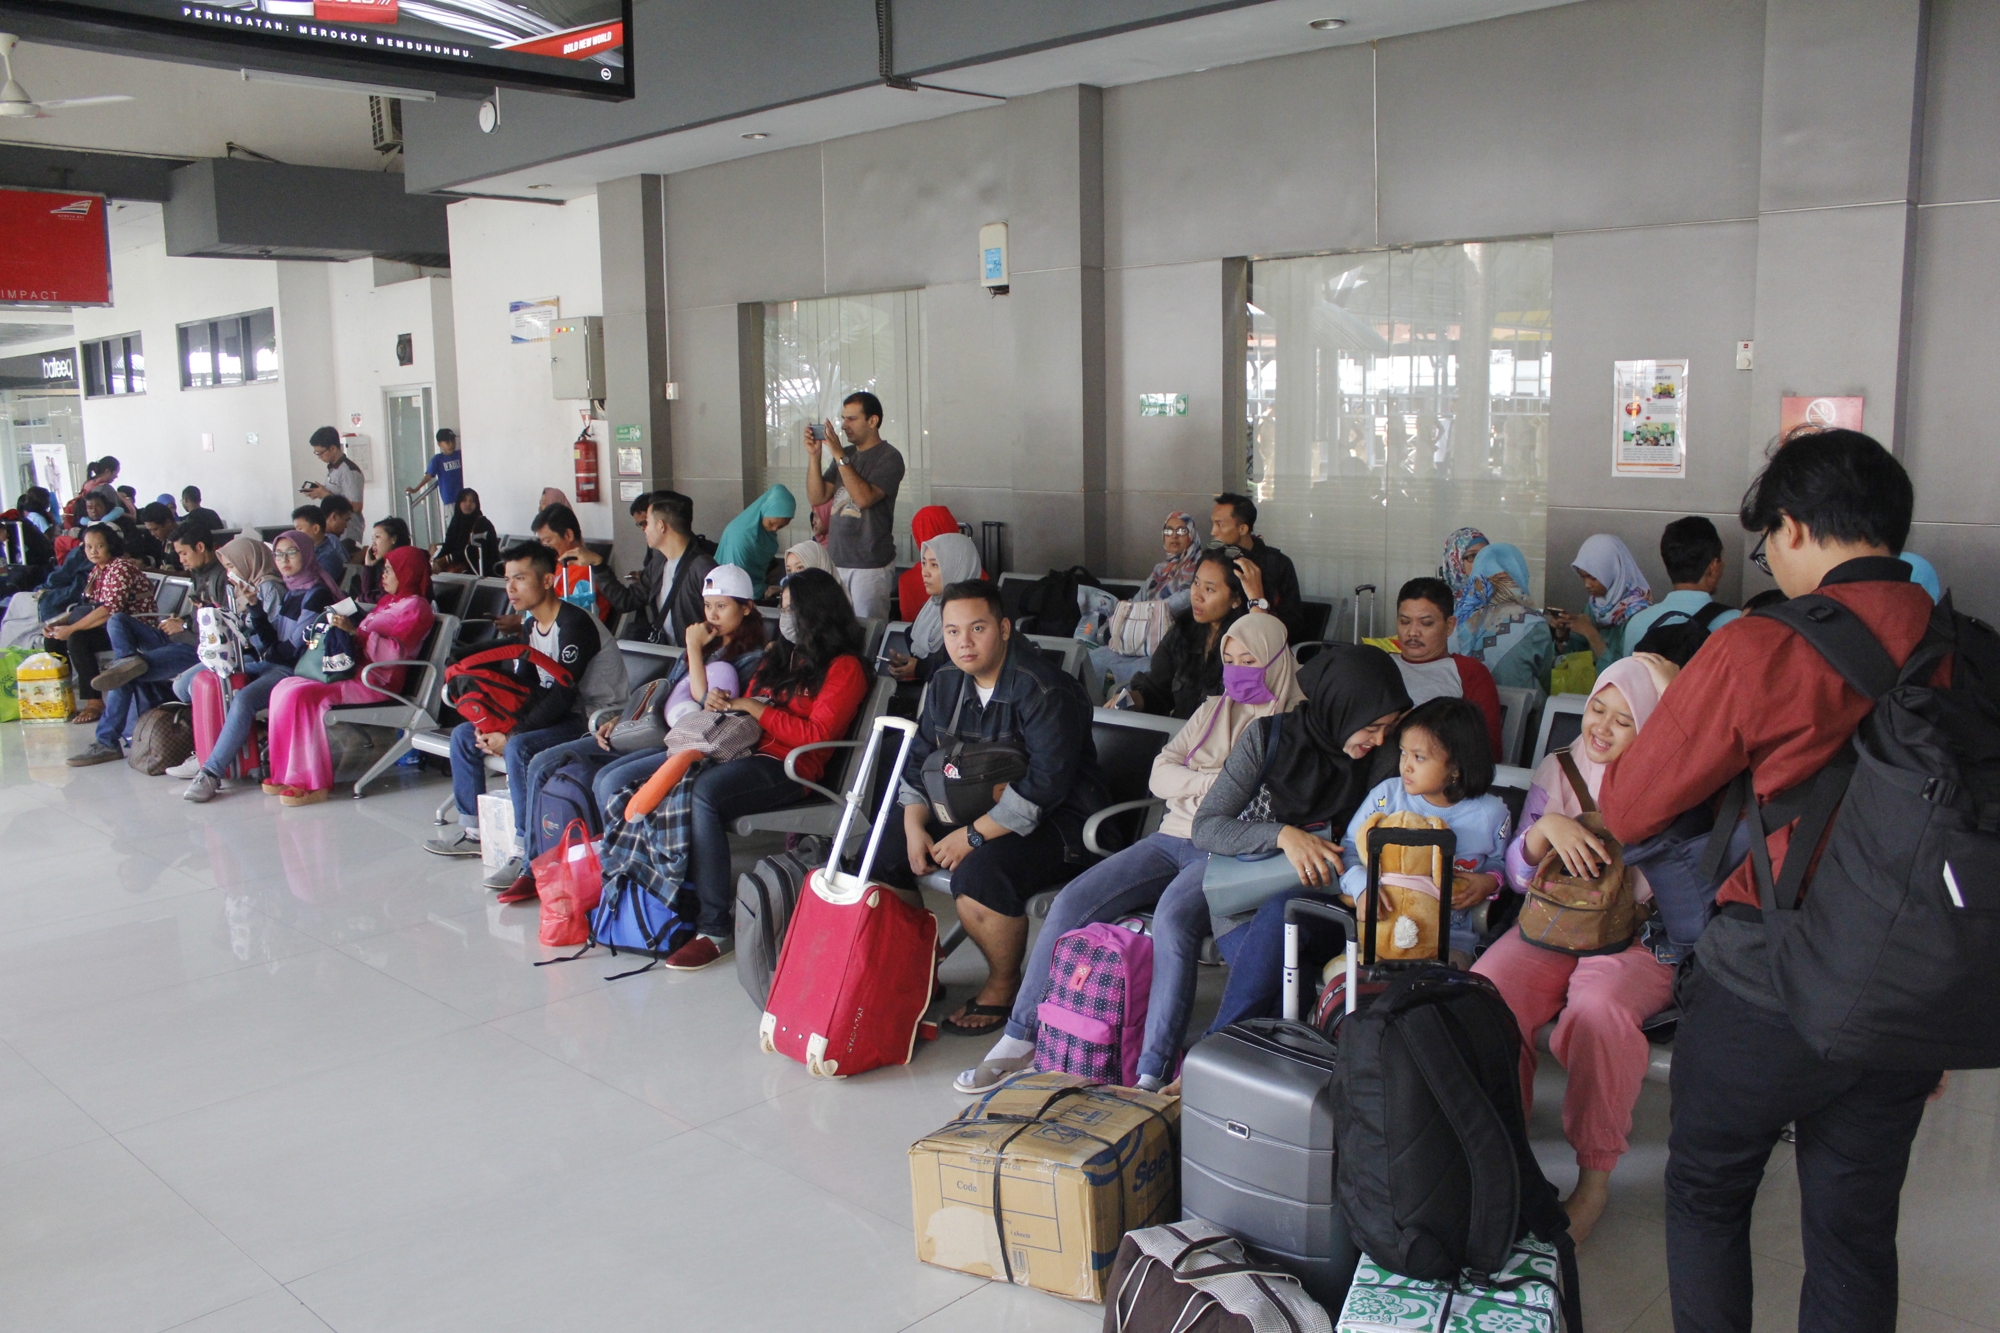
1480,691
1758,696
804,719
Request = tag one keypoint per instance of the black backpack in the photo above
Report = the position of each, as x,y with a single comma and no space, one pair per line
1677,636
1893,960
1435,1172
1049,606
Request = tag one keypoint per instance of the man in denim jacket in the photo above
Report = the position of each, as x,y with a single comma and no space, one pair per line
998,688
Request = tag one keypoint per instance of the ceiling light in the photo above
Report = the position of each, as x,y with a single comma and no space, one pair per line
756,134
1327,25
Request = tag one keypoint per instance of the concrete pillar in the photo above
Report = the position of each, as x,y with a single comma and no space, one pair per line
632,248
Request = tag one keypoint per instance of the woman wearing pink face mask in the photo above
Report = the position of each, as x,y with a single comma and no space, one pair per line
1597,1002
1163,872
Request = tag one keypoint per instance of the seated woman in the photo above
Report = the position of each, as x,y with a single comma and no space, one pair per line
1618,591
912,592
807,689
1164,871
116,583
388,534
1188,666
750,539
1168,584
946,559
1597,1003
1326,761
301,761
808,555
251,576
1498,623
470,546
275,639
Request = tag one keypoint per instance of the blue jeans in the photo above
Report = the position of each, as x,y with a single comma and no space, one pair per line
241,719
614,771
165,660
739,787
468,768
1163,873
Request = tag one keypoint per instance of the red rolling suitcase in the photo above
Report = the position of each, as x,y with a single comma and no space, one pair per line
211,702
854,976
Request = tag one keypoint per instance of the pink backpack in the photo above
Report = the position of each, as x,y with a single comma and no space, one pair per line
1093,1012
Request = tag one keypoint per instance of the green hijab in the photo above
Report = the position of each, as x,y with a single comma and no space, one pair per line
746,543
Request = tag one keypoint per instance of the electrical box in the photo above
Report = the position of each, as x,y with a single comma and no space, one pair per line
576,357
993,257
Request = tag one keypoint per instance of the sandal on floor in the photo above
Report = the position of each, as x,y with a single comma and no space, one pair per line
90,712
990,1074
996,1011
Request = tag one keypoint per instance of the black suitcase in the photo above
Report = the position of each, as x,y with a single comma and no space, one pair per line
766,894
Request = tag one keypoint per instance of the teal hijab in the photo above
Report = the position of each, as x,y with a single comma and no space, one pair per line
746,543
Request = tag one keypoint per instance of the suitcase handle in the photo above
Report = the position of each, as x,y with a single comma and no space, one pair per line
847,888
1294,909
1446,842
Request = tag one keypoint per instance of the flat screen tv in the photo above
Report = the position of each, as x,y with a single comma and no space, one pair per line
573,46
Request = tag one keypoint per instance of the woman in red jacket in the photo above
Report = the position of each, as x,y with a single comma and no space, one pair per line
807,689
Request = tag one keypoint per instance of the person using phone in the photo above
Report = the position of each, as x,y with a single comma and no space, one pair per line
343,478
861,528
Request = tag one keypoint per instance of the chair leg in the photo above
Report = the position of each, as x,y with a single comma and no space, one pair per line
446,811
952,939
388,761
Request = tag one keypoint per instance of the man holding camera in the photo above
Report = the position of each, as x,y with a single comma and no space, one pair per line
862,481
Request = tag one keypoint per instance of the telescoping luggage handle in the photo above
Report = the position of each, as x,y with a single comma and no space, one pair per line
1446,842
1294,909
1360,588
849,888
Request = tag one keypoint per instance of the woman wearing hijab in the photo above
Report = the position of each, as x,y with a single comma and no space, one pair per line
912,593
1460,550
1168,583
301,762
947,559
1187,668
1618,591
1298,802
1163,872
275,638
750,539
1597,1003
470,542
254,578
1499,624
808,555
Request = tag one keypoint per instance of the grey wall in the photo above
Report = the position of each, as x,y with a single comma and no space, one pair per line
1757,176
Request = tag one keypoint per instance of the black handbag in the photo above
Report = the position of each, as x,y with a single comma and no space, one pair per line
960,777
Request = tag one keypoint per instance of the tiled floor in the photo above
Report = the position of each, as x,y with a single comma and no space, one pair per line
274,1070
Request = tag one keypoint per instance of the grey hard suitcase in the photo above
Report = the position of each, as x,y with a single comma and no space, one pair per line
766,894
1257,1139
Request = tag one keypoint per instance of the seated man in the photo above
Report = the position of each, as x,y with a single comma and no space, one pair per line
668,595
553,713
1430,670
327,550
151,546
143,654
337,512
193,512
1691,549
1270,581
1032,838
556,527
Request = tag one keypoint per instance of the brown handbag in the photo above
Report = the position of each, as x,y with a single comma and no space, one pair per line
1573,914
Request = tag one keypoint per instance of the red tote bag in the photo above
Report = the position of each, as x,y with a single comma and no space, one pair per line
569,880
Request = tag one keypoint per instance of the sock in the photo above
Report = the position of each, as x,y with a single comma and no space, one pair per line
643,801
1010,1048
719,941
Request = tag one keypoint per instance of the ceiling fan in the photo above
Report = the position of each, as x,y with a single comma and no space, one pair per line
17,105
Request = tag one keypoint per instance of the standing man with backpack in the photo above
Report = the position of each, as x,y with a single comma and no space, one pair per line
1755,1051
862,481
1270,583
1691,549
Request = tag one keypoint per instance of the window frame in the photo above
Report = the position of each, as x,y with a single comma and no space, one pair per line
250,332
94,359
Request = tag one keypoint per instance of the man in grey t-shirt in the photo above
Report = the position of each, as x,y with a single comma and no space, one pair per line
343,477
862,481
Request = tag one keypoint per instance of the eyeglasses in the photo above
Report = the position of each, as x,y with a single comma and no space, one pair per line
1757,556
1175,532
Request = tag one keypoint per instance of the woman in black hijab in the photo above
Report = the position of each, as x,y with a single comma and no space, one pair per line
470,543
1326,757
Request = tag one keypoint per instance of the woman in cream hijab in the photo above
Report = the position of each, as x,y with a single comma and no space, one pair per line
1163,872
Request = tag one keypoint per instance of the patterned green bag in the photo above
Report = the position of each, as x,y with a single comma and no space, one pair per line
1523,1297
10,702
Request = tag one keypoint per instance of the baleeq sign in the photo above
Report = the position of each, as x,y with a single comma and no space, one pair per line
55,249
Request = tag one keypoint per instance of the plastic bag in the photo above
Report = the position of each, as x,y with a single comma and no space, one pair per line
10,700
569,880
1574,673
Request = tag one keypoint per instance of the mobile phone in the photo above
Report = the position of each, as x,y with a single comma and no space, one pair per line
816,432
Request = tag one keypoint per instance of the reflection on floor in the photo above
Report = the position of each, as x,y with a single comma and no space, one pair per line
273,1070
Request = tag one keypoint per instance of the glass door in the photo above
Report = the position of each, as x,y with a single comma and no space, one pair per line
409,418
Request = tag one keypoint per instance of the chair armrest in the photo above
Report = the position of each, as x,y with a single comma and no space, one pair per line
1096,821
792,772
603,715
407,703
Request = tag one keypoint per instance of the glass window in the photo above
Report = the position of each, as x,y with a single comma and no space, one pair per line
197,369
260,338
815,354
114,366
235,349
1391,397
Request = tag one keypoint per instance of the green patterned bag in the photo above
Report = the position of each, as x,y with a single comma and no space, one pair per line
10,702
1523,1297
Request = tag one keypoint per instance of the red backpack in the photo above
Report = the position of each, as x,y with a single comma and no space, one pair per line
486,691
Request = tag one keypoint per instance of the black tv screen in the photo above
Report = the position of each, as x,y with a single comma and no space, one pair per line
578,46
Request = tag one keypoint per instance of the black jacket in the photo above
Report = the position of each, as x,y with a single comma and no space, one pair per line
576,644
683,599
1185,670
1281,587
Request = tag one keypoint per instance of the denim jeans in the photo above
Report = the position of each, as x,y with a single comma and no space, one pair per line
739,787
165,660
614,771
468,768
1163,873
241,718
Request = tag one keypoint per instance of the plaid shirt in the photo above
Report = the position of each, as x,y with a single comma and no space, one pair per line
652,852
122,586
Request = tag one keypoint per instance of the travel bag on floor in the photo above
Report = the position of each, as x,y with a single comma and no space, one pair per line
766,896
162,738
569,880
1528,1295
1092,1016
632,919
1257,1134
854,975
565,798
1192,1277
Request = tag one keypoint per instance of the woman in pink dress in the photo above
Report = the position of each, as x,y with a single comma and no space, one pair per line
301,761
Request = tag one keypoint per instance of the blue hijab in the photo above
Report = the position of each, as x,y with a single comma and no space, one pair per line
747,543
1490,614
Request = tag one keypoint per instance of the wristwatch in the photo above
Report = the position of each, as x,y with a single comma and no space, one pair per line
974,837
1260,604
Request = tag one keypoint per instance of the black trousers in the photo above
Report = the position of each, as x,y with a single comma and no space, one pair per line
1000,875
1741,1074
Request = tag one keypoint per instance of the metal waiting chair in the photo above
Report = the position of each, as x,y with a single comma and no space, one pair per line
410,713
821,813
1516,703
1562,722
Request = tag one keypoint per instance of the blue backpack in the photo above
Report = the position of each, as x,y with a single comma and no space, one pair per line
632,919
564,798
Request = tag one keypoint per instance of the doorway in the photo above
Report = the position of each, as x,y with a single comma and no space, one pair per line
410,430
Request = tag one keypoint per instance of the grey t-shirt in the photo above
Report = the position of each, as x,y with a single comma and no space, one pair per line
860,538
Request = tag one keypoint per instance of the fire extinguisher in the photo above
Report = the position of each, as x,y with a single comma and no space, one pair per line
586,467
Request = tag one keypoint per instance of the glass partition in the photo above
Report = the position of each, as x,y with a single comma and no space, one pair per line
1391,397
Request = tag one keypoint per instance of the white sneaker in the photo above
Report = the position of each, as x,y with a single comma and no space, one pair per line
185,769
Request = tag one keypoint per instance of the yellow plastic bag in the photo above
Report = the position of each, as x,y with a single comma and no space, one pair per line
1573,673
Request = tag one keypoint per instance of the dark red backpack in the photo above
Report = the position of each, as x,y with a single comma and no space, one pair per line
485,690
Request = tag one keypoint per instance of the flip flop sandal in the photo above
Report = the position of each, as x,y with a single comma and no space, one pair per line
990,1074
999,1011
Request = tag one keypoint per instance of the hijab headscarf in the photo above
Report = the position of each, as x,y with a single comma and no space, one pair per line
1641,688
746,543
310,575
1493,609
1610,562
1221,720
1312,777
813,555
413,575
928,522
958,560
1175,574
250,561
1924,574
1460,550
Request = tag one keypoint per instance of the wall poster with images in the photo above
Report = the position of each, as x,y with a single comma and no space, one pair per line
1649,426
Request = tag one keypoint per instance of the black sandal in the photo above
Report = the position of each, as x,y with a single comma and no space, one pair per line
972,1010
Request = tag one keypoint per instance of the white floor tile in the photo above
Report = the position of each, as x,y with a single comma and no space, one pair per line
998,1308
36,1116
480,962
275,1311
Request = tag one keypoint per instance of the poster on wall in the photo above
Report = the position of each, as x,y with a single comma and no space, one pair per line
52,470
532,320
1819,413
1649,429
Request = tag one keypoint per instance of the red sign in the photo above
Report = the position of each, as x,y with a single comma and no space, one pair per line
355,11
571,44
55,249
1819,414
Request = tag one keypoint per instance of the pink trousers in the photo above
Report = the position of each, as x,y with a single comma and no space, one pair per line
300,756
1598,1004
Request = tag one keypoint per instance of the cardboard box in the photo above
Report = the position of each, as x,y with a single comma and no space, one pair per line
497,843
1077,1165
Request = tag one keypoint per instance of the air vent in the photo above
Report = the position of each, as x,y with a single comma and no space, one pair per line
386,116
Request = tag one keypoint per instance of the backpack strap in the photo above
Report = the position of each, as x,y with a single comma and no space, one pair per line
1839,636
1496,1189
1576,782
1707,615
